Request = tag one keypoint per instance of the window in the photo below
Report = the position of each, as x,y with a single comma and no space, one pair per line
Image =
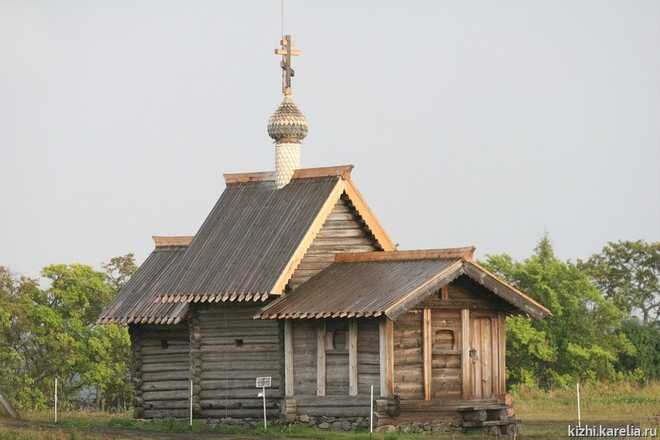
335,340
164,344
444,339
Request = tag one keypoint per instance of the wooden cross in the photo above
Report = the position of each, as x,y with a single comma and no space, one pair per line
287,50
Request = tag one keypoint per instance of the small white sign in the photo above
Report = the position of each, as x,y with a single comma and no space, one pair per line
264,382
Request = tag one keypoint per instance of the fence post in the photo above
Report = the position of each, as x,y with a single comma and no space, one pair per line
371,412
191,403
56,400
577,385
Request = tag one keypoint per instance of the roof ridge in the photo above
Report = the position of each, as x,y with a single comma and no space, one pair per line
343,171
465,253
171,240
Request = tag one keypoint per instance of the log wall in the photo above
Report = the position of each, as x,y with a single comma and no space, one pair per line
343,231
447,350
337,401
162,370
234,350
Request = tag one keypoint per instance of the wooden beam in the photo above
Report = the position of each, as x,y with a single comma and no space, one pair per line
427,343
352,357
343,171
424,290
419,254
369,218
389,349
465,352
444,293
307,240
288,358
502,352
320,358
505,291
382,360
174,240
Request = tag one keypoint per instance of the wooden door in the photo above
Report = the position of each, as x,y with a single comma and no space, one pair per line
483,340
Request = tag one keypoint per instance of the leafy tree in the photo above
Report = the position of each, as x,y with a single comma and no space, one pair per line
50,332
644,364
581,339
628,273
119,269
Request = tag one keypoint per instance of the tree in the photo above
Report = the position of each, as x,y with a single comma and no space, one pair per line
582,338
119,269
51,332
627,272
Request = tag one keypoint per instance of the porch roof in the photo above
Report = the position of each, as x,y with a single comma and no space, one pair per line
389,283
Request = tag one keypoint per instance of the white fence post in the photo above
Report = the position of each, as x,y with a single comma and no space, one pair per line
578,403
371,412
55,400
191,402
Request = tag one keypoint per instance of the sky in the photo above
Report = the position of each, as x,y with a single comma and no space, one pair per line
469,123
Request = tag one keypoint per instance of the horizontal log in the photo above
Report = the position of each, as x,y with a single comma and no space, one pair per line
166,385
165,413
240,413
230,384
219,374
167,404
147,351
237,404
169,366
246,348
158,358
249,341
165,395
165,375
228,394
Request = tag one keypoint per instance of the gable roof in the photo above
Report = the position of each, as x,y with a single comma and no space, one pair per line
256,235
135,302
389,283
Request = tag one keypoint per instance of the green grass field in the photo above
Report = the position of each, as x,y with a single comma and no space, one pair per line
544,415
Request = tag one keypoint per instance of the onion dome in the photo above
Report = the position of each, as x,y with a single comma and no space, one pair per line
287,124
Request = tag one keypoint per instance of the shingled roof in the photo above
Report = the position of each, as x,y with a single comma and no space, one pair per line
136,302
256,235
389,283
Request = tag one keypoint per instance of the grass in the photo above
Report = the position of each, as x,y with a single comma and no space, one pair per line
544,415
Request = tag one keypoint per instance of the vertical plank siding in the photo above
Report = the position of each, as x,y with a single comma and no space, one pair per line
343,231
368,357
235,349
304,357
164,353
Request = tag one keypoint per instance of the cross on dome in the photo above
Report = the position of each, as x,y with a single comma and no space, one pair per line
286,50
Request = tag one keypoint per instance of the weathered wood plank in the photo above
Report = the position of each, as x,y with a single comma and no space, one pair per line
486,359
465,352
352,357
288,358
320,358
428,352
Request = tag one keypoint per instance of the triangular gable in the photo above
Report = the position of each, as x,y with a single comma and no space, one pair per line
477,273
345,188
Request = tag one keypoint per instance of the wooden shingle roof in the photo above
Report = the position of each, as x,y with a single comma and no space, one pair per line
388,283
256,235
136,302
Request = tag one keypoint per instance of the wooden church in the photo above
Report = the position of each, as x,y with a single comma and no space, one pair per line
292,276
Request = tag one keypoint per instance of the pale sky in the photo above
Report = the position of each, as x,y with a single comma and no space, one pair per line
479,123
